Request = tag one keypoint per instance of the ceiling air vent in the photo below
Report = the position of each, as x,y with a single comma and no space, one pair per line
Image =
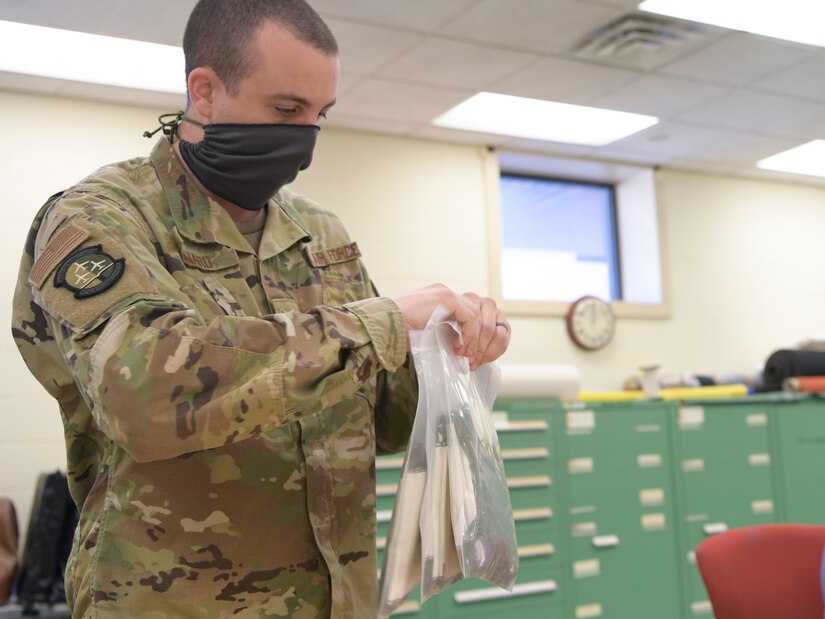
643,41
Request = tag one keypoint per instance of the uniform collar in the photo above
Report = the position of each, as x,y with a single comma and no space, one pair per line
200,219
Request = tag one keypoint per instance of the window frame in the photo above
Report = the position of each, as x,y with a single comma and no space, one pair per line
579,171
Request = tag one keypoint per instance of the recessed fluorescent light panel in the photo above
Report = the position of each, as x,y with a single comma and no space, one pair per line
792,20
92,58
806,159
535,119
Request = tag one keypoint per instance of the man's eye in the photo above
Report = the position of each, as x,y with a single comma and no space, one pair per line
322,115
286,111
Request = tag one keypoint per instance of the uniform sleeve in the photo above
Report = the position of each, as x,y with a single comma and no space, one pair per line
395,406
395,403
160,380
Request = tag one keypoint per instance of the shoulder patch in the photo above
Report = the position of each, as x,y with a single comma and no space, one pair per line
57,249
89,271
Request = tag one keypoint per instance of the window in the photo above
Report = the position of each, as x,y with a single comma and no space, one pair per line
563,228
558,240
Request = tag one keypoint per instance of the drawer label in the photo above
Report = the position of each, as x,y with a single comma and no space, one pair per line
649,461
588,610
586,569
691,417
654,522
578,466
759,459
693,465
652,496
701,608
584,529
762,507
581,422
756,420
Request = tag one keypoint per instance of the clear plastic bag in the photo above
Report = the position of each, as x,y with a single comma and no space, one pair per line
452,516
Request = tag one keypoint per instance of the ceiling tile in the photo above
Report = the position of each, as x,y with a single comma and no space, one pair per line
464,137
568,81
805,79
125,96
672,138
539,25
738,59
386,100
365,49
746,150
421,16
442,62
553,148
746,110
659,96
116,18
84,16
348,81
630,156
630,5
804,123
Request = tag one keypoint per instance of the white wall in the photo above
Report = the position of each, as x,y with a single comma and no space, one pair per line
745,258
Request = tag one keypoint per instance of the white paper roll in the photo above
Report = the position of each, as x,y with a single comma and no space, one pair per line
558,382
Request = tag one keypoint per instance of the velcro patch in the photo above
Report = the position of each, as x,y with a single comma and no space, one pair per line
322,257
88,272
58,248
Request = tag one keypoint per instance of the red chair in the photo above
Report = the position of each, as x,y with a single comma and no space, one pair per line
764,572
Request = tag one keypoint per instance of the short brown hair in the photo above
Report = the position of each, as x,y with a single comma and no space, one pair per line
218,34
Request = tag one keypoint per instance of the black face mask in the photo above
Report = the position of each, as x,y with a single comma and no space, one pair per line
248,164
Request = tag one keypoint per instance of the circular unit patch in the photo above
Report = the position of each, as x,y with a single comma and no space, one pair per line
89,271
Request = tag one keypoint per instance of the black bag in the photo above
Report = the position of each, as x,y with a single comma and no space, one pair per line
48,543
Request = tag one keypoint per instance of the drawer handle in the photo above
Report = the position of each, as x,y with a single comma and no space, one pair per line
606,541
539,481
386,489
407,608
525,454
539,550
712,528
520,426
388,464
483,595
383,515
538,513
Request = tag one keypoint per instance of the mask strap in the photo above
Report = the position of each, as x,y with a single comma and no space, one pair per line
169,124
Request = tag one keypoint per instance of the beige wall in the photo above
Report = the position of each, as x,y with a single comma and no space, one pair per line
744,257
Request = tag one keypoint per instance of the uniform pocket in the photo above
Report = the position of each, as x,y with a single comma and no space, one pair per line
342,283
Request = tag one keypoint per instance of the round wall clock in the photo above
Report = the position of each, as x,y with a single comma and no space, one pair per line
591,323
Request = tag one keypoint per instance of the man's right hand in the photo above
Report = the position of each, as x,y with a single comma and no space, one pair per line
478,317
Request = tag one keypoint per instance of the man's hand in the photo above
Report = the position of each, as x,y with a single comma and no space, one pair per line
484,327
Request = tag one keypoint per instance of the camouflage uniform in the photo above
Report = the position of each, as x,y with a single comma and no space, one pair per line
222,408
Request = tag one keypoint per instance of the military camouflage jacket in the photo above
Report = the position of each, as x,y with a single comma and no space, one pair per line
222,407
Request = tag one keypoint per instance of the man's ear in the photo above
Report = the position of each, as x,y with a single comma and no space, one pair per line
204,84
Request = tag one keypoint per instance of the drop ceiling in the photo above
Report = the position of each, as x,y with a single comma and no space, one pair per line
725,99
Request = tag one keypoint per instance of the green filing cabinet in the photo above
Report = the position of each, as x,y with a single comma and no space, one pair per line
724,476
800,438
528,438
623,554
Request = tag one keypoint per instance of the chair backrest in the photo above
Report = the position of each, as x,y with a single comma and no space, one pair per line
764,572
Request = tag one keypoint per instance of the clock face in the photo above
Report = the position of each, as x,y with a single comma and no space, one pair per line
591,323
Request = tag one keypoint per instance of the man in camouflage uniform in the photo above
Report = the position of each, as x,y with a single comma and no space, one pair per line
224,394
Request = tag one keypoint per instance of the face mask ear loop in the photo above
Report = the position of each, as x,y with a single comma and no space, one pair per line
168,125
